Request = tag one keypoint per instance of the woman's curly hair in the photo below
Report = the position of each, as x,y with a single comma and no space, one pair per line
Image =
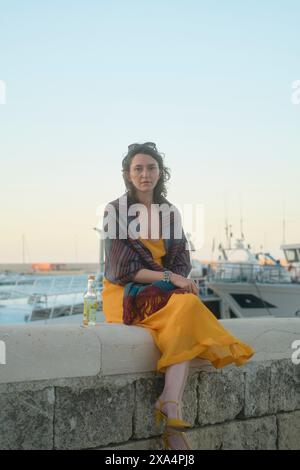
160,190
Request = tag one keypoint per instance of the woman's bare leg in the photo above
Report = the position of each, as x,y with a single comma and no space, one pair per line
175,381
184,380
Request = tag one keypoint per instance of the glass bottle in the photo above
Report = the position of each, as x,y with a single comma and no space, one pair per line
90,304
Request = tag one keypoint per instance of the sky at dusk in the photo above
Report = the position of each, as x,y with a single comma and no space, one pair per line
215,84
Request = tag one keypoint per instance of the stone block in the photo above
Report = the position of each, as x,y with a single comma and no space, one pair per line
43,352
147,390
250,434
257,389
91,417
206,438
283,396
142,444
26,419
296,368
289,431
189,399
126,349
220,396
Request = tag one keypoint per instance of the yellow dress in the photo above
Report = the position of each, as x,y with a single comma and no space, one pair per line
183,329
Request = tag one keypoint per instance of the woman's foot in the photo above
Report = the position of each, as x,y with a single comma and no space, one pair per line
171,410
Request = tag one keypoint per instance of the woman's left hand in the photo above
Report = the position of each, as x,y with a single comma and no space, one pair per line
184,283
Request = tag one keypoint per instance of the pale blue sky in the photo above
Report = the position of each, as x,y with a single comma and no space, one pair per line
209,82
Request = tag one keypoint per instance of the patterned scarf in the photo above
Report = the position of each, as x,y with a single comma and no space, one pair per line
124,256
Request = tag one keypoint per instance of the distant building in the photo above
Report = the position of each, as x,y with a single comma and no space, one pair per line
48,266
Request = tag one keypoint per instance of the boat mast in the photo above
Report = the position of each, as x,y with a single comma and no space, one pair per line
23,249
101,251
283,221
227,227
241,220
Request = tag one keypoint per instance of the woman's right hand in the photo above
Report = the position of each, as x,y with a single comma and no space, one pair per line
184,283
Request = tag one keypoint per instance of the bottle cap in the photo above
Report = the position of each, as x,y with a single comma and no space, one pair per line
91,277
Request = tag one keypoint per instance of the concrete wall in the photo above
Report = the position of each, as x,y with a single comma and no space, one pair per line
68,387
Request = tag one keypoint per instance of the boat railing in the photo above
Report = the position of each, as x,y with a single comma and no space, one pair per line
44,286
250,273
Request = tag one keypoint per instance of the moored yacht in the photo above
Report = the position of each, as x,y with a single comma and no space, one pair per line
292,256
250,286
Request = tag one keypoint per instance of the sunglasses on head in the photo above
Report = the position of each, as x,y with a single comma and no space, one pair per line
151,145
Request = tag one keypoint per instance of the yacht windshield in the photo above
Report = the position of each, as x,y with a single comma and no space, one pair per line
291,255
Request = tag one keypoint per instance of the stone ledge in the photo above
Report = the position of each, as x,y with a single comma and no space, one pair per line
45,352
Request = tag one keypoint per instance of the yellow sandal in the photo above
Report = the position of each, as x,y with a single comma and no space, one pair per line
174,423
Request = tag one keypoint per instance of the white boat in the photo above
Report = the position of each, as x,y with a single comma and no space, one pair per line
292,256
7,279
46,300
208,297
247,288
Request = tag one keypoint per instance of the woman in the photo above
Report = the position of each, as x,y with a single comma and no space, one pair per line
146,284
